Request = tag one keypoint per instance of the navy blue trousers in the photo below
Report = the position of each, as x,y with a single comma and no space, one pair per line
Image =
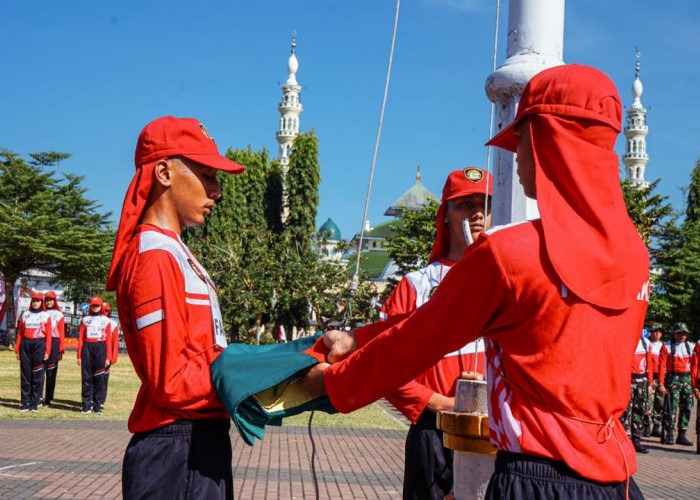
51,369
188,459
92,365
31,366
428,464
519,476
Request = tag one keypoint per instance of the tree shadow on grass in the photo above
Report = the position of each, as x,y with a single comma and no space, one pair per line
9,403
57,404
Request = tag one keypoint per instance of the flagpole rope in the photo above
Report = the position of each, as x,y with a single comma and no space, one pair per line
354,282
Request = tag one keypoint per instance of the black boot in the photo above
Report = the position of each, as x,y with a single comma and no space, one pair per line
656,431
638,446
668,437
682,440
647,430
698,448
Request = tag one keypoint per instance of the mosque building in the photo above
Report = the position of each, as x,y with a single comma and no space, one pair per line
289,108
330,232
635,157
375,262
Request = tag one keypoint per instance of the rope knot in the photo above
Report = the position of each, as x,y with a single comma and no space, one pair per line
608,428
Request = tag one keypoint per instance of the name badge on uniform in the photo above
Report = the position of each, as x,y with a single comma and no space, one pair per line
93,331
32,322
216,320
219,334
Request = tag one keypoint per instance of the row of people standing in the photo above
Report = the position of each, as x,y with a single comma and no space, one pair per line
665,376
41,345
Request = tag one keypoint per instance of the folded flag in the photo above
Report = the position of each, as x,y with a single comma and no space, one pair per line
259,384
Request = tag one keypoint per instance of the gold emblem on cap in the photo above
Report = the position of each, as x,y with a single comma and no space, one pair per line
206,133
473,174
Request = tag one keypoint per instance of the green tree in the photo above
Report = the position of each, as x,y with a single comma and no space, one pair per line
654,219
649,211
412,242
692,206
676,264
48,224
236,246
688,262
303,279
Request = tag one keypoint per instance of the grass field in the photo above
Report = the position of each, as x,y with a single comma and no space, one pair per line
123,386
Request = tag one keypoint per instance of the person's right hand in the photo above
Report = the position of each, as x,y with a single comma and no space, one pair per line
696,393
78,361
662,389
313,382
17,357
341,345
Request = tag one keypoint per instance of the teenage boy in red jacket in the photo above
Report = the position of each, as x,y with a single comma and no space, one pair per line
551,297
170,317
459,221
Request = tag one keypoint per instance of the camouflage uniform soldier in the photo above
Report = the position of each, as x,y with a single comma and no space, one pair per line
655,401
677,384
633,417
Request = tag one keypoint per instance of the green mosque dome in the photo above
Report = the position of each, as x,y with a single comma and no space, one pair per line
330,230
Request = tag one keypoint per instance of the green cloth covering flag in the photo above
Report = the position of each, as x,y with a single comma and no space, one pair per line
258,384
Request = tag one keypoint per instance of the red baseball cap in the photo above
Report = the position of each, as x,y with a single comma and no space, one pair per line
96,300
162,138
170,136
50,295
105,305
37,296
465,182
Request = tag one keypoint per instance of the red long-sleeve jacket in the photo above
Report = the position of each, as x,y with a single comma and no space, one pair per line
113,347
414,290
695,366
679,362
94,328
58,329
165,309
655,349
641,361
34,325
541,342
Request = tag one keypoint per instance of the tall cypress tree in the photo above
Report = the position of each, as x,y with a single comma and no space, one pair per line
236,246
295,252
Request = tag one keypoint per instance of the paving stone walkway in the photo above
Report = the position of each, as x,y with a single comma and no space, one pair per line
66,459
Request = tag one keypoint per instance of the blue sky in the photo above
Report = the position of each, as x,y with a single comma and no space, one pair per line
85,76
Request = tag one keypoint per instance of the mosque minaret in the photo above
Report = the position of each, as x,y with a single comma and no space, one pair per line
290,108
636,130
